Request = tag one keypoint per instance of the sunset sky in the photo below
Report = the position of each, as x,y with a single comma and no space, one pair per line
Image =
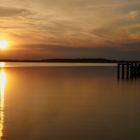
39,29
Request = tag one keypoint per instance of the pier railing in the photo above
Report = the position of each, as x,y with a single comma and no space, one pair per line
128,70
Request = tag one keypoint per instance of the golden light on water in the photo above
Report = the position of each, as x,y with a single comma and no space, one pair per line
2,64
2,87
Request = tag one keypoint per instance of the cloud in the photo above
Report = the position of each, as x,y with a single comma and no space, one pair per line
127,51
12,12
134,14
73,27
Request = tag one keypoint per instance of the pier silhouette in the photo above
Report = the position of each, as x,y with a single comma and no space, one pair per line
128,70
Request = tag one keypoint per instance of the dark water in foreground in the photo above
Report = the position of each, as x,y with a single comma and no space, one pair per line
67,103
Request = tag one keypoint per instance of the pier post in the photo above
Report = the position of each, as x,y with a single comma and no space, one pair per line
135,70
123,71
131,71
139,70
118,71
127,71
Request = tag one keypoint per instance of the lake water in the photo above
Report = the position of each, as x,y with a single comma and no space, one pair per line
41,101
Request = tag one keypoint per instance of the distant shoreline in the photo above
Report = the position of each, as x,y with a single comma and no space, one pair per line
77,60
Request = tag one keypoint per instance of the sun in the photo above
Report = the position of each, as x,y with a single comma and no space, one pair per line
4,44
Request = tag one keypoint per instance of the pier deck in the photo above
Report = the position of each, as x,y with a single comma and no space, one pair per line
128,70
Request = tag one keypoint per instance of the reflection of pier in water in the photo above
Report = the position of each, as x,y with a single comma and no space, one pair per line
128,70
2,86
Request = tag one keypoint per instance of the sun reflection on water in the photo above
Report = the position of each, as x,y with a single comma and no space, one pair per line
2,87
2,64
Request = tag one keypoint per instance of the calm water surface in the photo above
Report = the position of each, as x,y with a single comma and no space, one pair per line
67,102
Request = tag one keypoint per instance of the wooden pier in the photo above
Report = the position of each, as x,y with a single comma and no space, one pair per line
128,70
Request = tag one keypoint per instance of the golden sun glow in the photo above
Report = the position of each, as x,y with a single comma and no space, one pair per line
4,44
